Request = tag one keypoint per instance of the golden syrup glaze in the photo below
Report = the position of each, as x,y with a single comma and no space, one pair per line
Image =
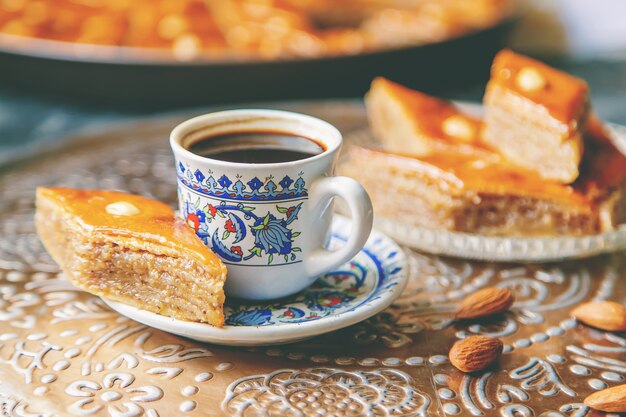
563,96
428,113
604,165
155,222
470,172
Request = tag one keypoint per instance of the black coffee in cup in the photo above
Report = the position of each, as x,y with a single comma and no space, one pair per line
257,147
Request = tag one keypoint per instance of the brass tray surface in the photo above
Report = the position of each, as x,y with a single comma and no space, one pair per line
64,353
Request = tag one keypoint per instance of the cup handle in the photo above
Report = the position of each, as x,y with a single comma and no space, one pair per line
322,260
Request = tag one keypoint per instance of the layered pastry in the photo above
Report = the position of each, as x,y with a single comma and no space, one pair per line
535,116
133,250
475,194
412,122
603,175
438,174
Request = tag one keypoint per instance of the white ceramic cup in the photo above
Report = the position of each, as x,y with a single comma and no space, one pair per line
269,223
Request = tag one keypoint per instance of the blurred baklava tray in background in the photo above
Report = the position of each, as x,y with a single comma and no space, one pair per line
272,29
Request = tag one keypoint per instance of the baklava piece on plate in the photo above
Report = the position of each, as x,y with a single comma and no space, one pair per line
467,193
535,116
412,122
133,250
430,175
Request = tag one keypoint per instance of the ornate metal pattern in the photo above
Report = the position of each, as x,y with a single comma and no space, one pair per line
64,353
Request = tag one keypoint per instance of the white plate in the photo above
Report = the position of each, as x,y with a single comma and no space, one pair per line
354,292
503,249
499,248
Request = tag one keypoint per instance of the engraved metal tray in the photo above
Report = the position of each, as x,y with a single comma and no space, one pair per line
64,353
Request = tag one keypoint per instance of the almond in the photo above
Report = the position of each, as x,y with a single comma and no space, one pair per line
475,353
122,208
530,79
458,127
485,302
605,315
611,400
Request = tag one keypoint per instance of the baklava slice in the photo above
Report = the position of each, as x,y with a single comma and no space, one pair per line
465,193
133,250
603,175
468,193
535,116
415,123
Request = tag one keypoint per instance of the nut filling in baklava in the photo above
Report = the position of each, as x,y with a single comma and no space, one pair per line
140,255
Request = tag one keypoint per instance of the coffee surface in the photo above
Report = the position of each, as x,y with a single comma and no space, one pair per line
257,147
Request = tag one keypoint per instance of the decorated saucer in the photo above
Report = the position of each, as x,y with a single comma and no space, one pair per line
357,290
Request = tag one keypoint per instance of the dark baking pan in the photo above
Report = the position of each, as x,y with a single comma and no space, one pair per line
130,76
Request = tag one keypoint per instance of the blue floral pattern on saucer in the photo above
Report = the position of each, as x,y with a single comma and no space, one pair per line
373,272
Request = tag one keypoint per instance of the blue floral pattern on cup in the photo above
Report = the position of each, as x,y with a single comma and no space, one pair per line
273,240
238,189
273,236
